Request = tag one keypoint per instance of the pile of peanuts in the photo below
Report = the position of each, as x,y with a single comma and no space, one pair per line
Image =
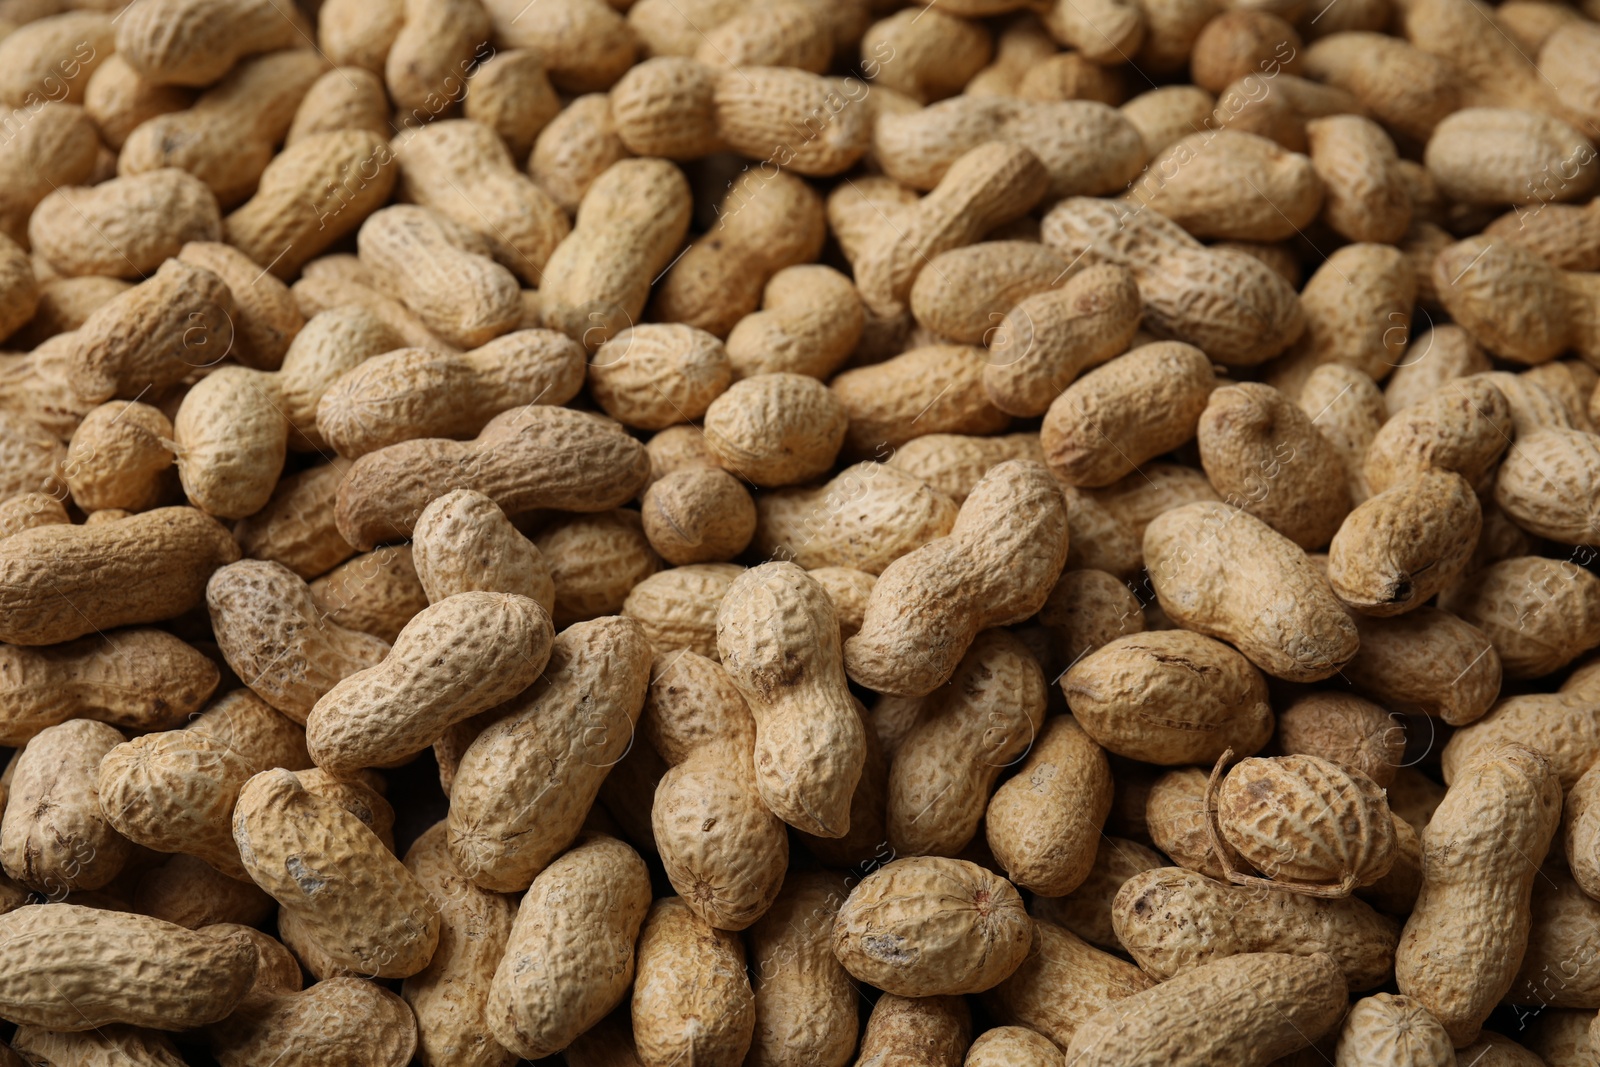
796,533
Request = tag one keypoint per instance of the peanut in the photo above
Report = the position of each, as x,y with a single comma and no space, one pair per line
776,429
597,893
323,864
881,934
595,561
1540,614
1172,920
1404,545
677,607
345,98
866,517
691,997
1042,825
201,978
1478,896
1472,278
1062,983
576,147
698,516
569,727
55,837
126,227
894,655
804,999
145,568
341,1020
196,42
524,458
1200,191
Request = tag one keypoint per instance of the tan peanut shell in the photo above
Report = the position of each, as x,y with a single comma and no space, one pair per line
119,99
333,342
1256,1006
463,542
231,438
1043,824
1087,910
1086,610
1203,196
340,1020
273,635
931,1031
458,657
578,145
377,592
321,862
55,837
61,582
723,850
595,561
1544,481
54,145
1172,920
190,892
1427,661
953,463
1462,944
574,725
930,926
124,228
677,607
1226,574
415,392
866,517
137,679
691,998
776,429
1561,929
150,973
1385,1028
1062,983
175,792
805,999
345,98
436,44
1406,544
592,900
525,458
1462,427
966,735
510,94
968,291
120,457
698,516
810,319
1308,824
1129,410
1579,834
195,42
1559,726
657,374
1264,455
152,335
1013,1045
1540,614
97,1048
809,746
928,605
1346,730
464,172
251,727
932,388
629,225
1169,697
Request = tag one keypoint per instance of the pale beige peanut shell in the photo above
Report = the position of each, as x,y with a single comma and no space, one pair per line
456,658
966,292
578,145
195,43
1389,1029
849,589
698,516
1346,407
953,463
965,737
1562,929
120,457
137,679
331,343
1013,1045
1202,193
276,639
929,926
866,517
1546,484
1044,824
464,542
929,604
1177,821
1463,427
1172,920
231,438
511,94
776,429
526,458
1406,544
27,510
124,228
1256,1007
376,593
1263,454
1087,610
151,973
677,607
1540,614
932,389
1169,697
1460,948
778,638
61,582
353,897
595,560
1062,983
805,999
1047,339
265,318
54,837
1226,574
583,911
810,320
1130,410
333,1021
1426,661
656,374
175,792
107,1045
416,392
691,998
251,727
574,724
345,98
